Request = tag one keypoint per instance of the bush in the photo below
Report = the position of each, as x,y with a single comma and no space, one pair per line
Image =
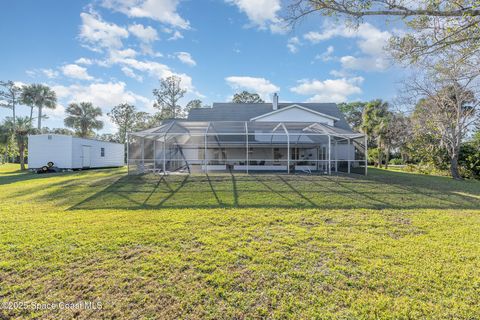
372,155
469,160
396,161
426,168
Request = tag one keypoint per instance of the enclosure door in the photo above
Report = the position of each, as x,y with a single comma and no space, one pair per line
86,156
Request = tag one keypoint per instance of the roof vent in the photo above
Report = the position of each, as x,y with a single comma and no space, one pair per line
275,101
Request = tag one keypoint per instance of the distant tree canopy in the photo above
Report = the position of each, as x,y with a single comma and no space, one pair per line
353,113
64,131
168,96
193,104
9,97
109,137
434,134
247,97
127,118
19,132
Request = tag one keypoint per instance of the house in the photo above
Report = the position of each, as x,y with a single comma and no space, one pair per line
282,137
68,152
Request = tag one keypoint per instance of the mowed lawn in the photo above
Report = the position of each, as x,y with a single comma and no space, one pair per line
390,245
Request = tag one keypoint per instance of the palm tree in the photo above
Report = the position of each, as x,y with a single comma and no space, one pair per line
375,121
20,132
83,117
39,96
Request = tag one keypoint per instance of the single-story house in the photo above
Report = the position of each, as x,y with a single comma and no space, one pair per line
287,137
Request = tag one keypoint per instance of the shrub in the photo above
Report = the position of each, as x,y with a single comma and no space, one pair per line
372,155
426,168
469,160
396,161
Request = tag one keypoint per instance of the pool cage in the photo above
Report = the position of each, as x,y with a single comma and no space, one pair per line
245,146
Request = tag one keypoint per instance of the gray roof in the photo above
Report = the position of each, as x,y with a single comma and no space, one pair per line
247,111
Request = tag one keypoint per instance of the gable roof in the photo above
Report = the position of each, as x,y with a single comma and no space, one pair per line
279,110
247,111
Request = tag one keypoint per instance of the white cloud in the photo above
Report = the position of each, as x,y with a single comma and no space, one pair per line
371,42
327,55
261,86
261,13
49,73
186,58
364,63
340,73
293,44
103,95
159,71
131,74
145,34
122,54
98,34
19,83
153,68
331,32
84,61
148,50
76,72
58,113
31,73
108,38
330,90
164,11
176,35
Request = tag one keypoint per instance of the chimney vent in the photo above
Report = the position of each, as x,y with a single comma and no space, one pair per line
275,101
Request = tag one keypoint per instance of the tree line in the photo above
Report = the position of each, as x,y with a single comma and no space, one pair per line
440,45
424,140
83,118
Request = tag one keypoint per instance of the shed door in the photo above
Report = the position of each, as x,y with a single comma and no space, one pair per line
86,156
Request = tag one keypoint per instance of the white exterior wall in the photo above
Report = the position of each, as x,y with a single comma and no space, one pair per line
57,149
113,153
296,115
66,152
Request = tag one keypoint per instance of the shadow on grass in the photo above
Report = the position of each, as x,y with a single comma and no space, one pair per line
10,177
380,190
19,176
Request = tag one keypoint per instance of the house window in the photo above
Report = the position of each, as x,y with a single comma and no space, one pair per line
102,152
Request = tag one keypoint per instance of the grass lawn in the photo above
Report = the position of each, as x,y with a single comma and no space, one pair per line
390,245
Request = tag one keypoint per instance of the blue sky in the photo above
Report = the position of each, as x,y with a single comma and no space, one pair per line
113,51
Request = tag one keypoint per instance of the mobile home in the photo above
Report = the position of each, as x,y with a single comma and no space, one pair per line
67,152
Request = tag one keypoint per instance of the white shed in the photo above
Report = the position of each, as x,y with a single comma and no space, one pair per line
67,152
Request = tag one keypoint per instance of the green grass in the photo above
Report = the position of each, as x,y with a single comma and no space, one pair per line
390,245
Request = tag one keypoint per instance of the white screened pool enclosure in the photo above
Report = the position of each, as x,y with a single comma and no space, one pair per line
245,146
